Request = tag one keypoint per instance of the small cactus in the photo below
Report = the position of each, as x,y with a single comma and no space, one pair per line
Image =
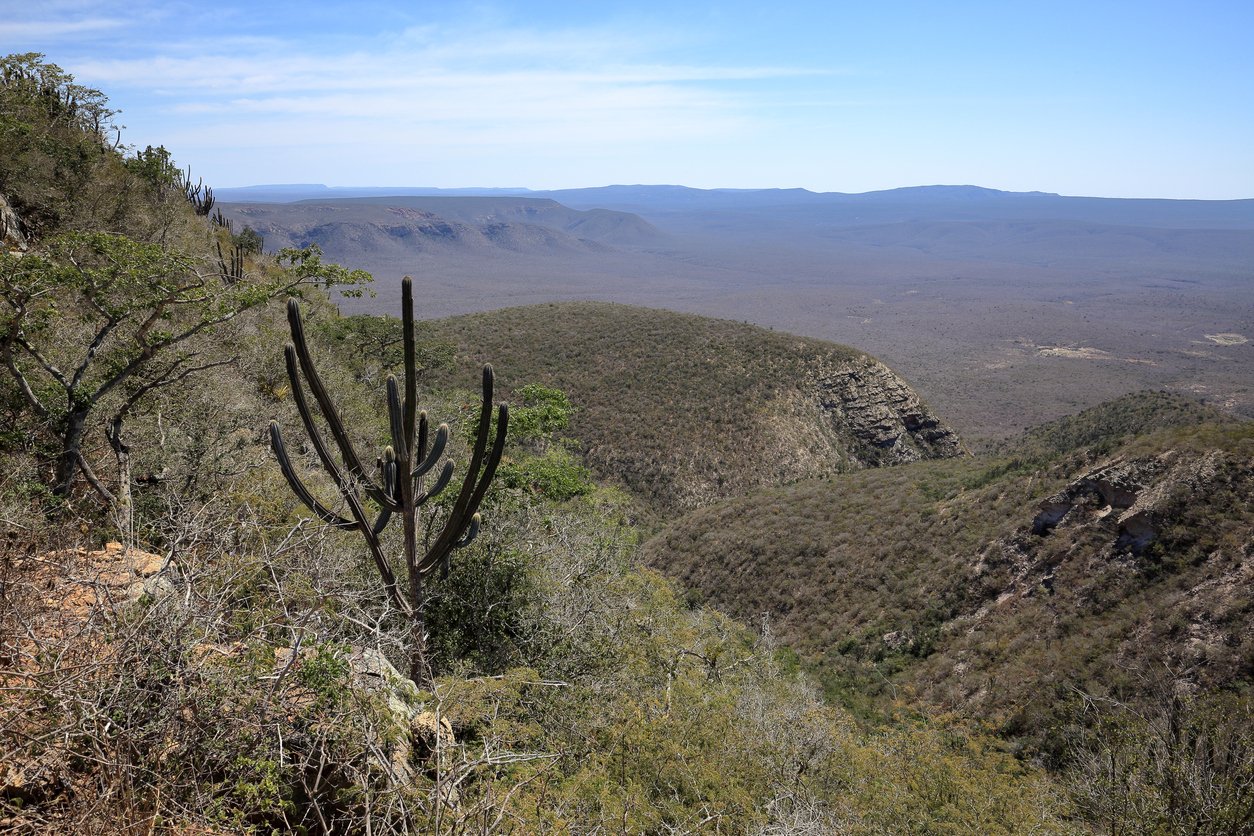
199,196
232,270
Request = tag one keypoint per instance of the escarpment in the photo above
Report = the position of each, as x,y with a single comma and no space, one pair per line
11,236
684,410
882,412
1137,495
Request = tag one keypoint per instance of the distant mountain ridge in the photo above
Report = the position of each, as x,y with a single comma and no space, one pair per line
936,202
1055,302
408,225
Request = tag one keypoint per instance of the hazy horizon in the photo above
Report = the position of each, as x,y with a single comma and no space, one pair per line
521,190
1121,99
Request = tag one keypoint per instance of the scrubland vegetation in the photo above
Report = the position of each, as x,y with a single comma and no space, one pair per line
230,666
683,410
931,584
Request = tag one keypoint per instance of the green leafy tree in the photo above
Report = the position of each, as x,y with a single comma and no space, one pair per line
544,411
249,240
544,463
93,314
374,345
156,168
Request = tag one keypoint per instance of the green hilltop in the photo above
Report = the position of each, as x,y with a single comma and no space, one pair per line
685,410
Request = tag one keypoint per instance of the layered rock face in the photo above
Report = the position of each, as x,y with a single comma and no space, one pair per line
892,425
840,413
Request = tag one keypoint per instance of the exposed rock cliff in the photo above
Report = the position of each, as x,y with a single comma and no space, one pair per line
11,236
1137,492
1153,552
685,410
865,398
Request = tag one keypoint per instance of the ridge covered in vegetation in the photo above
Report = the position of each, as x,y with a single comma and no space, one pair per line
1111,554
684,410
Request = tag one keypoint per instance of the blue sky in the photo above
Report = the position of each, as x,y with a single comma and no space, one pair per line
1121,99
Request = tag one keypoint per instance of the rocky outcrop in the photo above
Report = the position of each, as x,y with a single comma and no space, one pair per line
11,235
865,399
64,597
410,737
75,583
1140,567
1136,491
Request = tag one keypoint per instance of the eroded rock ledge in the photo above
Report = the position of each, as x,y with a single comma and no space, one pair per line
1137,491
864,398
11,228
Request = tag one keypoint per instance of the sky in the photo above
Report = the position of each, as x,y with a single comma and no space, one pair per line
1115,99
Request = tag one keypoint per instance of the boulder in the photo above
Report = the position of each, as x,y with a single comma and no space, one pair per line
11,229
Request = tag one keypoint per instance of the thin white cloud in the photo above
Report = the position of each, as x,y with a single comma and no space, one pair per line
42,30
474,91
349,72
482,98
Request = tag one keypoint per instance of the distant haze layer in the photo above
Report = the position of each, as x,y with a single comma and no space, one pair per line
1003,309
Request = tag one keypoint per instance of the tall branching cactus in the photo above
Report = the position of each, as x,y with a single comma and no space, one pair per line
401,481
199,196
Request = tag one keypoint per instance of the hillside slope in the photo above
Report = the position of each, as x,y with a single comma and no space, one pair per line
405,227
996,586
684,410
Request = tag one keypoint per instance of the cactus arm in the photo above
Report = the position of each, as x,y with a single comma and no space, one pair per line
481,443
298,487
459,516
306,416
494,458
471,533
386,465
420,450
474,487
385,517
446,474
290,354
411,371
358,522
437,450
325,404
397,420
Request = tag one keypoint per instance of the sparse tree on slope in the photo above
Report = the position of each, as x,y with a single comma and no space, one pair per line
94,314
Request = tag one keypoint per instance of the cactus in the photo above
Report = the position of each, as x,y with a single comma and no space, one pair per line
399,486
199,196
233,272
